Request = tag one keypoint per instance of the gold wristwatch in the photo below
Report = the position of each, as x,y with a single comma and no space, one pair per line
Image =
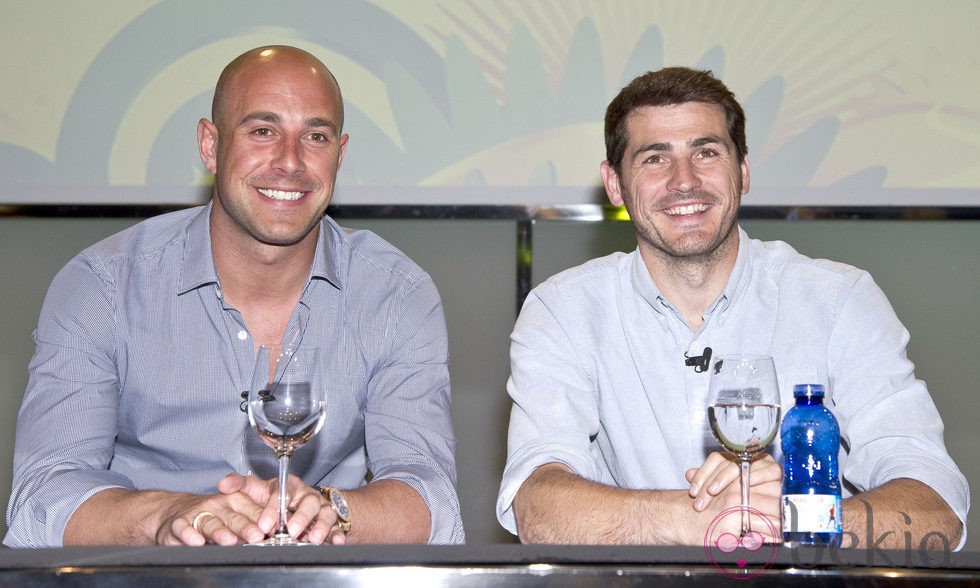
339,506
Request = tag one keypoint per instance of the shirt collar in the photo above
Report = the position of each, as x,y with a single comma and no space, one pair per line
326,261
197,268
644,285
739,278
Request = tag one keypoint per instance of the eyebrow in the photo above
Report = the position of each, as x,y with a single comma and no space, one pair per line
668,147
709,140
271,117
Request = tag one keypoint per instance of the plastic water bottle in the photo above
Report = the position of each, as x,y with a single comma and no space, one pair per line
811,482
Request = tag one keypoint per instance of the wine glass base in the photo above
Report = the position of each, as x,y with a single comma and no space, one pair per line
277,541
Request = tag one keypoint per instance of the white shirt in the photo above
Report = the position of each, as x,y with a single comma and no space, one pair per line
599,383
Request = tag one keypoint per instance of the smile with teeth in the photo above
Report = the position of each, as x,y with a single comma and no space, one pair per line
281,194
687,209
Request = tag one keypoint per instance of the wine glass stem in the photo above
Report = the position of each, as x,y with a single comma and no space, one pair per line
746,465
283,473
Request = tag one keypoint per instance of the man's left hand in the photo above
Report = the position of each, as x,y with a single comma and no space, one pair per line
311,518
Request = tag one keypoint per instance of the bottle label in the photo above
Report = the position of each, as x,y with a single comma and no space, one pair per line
811,513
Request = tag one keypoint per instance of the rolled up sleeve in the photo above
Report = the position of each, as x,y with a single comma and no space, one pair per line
889,422
408,421
555,408
67,423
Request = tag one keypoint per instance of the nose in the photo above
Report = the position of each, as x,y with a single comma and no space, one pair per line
289,155
683,177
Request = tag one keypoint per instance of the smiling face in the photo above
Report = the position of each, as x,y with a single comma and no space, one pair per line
680,181
274,147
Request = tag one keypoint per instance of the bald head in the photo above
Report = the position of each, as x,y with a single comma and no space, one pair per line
234,79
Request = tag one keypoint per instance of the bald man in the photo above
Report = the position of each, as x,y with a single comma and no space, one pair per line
132,429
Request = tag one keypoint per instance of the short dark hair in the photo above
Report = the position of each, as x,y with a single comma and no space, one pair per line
671,85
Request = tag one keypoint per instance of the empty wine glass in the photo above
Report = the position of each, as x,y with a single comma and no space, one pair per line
743,411
286,408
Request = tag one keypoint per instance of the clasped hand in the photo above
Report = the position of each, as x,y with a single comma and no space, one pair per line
714,487
246,510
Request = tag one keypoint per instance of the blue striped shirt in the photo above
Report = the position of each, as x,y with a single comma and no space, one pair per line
139,366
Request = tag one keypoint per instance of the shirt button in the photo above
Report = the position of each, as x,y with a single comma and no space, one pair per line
242,335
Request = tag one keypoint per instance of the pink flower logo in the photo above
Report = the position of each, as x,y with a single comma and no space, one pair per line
756,555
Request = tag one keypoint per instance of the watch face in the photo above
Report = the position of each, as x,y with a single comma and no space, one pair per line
341,505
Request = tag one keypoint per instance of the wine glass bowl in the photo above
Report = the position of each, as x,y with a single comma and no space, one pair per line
743,421
286,407
287,417
743,412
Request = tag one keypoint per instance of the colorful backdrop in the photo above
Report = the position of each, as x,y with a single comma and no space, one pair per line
499,102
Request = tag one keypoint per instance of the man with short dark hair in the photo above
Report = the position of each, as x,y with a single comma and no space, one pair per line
609,440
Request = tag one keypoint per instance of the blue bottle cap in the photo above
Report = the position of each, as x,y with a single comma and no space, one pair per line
808,391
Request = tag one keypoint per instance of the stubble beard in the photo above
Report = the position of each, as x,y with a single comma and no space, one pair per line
683,252
286,240
248,224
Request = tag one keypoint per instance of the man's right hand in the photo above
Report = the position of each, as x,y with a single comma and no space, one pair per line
117,516
619,515
222,519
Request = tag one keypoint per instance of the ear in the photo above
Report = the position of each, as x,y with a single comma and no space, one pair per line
207,144
611,180
343,149
745,175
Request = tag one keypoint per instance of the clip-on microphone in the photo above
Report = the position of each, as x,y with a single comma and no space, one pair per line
699,362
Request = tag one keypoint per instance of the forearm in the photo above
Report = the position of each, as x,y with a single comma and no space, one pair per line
118,516
900,514
388,511
555,505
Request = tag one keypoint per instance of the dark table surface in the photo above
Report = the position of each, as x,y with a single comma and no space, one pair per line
482,565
